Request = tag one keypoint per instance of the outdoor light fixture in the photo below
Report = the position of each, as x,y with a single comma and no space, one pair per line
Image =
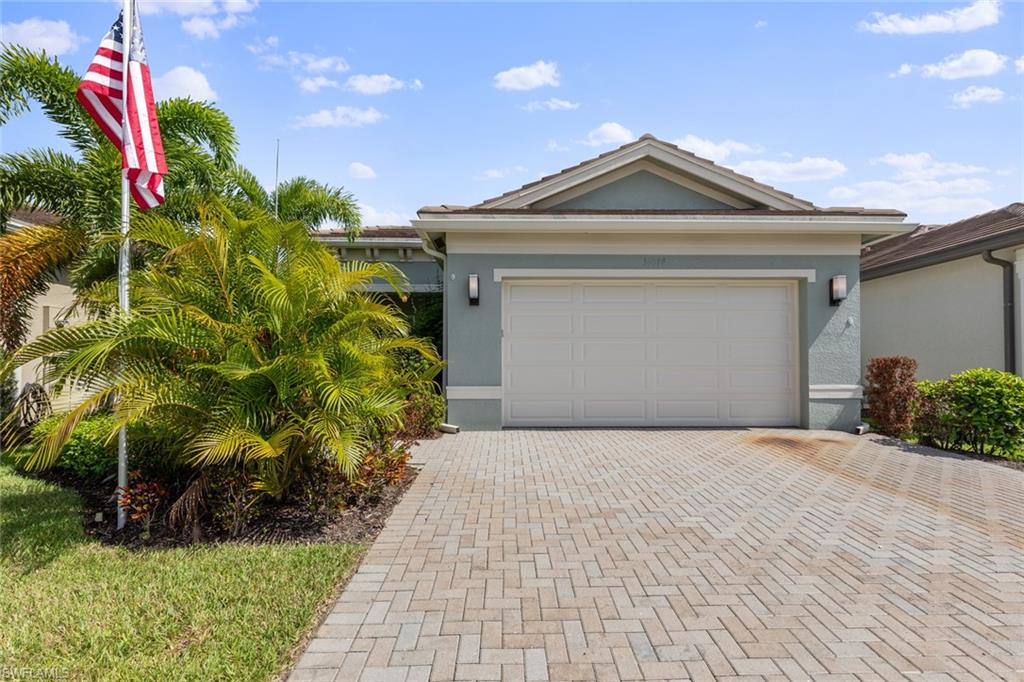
837,290
474,289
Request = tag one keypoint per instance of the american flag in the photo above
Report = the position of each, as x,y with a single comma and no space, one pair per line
100,92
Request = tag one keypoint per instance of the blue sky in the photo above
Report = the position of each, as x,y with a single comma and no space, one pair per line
915,106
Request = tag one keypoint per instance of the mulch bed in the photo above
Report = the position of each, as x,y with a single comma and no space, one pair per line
275,523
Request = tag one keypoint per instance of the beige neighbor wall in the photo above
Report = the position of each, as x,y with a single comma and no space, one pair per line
948,317
49,308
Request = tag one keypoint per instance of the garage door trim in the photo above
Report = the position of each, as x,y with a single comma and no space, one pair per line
501,274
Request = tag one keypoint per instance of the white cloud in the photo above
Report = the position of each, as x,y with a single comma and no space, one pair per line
304,61
551,104
978,14
536,75
554,146
183,81
923,166
976,94
608,133
959,196
495,173
239,6
375,216
361,171
1019,64
263,45
340,117
716,151
56,37
969,64
922,184
266,51
316,83
904,70
806,168
201,27
760,23
183,8
378,84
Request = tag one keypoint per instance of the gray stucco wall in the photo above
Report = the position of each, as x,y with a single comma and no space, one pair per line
642,190
830,336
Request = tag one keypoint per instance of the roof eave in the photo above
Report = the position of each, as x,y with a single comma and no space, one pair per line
1002,241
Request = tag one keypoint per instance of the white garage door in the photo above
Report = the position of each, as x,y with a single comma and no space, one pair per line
649,353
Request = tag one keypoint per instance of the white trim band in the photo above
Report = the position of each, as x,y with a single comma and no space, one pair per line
835,392
809,274
473,392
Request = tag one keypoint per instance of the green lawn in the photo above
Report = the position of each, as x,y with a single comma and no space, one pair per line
100,612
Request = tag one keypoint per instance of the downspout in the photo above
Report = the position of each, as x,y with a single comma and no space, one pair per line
431,250
1009,315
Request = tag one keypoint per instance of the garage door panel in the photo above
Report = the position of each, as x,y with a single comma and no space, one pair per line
544,352
539,293
546,410
527,325
774,380
650,353
613,379
612,293
687,380
754,297
687,353
699,409
685,323
758,353
702,295
613,410
612,324
610,352
540,380
755,324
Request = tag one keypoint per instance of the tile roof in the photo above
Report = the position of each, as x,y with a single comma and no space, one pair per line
647,137
376,232
931,244
34,216
838,211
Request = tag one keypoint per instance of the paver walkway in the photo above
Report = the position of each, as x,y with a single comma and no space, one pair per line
729,555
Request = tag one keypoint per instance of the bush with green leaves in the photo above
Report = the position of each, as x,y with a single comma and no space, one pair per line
424,414
90,452
979,410
248,345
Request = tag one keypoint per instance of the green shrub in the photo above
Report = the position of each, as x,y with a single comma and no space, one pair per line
890,392
424,414
979,410
90,452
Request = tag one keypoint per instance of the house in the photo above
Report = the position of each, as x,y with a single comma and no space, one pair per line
948,296
51,308
651,287
399,245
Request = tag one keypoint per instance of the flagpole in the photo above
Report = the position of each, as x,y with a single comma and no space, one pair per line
124,250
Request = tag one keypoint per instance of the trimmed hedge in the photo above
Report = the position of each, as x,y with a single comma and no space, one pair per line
890,391
978,410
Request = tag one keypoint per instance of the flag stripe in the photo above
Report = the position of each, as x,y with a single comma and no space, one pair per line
134,129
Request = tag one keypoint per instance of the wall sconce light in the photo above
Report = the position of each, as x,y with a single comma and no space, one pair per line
474,289
837,290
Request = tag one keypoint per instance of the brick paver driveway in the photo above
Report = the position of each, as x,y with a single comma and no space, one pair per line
582,555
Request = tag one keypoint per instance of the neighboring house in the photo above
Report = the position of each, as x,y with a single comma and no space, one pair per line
944,294
399,245
651,287
48,310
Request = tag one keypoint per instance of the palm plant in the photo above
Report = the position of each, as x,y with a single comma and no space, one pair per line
82,185
303,199
248,343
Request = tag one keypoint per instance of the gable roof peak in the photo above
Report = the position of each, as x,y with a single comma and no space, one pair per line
647,145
